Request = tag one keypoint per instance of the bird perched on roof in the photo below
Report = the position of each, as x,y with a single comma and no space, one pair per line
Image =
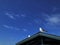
42,30
28,35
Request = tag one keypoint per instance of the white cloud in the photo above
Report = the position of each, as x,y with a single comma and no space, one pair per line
5,26
55,9
55,19
14,16
14,28
11,27
10,15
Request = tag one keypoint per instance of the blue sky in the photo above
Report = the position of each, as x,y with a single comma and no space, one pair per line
20,18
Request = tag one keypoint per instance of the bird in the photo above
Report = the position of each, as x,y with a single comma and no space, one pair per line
42,30
28,35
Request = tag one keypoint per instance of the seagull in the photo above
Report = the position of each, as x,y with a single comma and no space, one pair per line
28,35
42,30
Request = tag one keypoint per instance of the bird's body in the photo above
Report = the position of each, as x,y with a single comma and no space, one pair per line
42,30
28,35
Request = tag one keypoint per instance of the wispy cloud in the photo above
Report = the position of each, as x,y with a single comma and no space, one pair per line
23,15
54,19
6,26
10,15
48,20
14,28
14,16
24,29
11,27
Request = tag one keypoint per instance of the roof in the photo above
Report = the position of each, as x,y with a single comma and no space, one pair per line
40,34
